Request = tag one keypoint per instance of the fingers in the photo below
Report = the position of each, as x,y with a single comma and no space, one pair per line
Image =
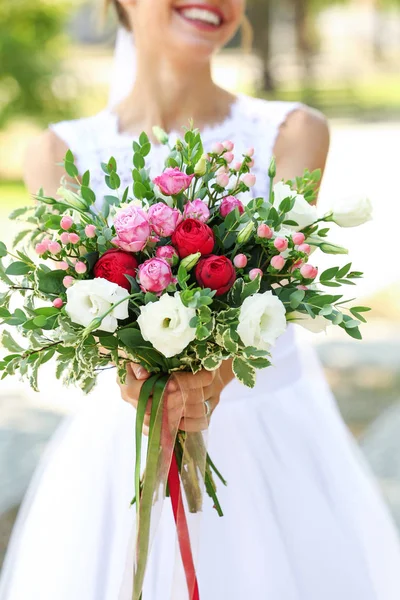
139,372
188,381
193,425
130,390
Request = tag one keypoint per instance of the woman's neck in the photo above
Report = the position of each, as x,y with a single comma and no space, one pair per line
170,98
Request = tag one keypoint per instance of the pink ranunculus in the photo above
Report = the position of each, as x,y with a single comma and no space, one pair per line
133,229
229,204
278,262
155,275
173,181
197,209
164,219
308,271
168,253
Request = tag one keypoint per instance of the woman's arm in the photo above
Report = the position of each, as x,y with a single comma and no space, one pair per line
303,143
39,167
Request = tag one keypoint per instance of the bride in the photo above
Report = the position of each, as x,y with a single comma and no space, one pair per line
303,518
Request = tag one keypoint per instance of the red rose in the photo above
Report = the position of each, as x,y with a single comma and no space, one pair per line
114,265
215,272
193,236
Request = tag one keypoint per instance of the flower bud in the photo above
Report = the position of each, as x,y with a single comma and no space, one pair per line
222,179
306,248
90,231
63,265
245,234
200,168
272,168
278,262
240,261
40,248
191,261
217,148
68,281
298,238
249,179
66,222
281,244
80,267
254,273
160,135
72,199
229,157
57,303
333,249
249,152
64,237
308,271
264,231
73,238
54,248
228,145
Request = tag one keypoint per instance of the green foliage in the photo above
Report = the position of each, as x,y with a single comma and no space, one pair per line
32,45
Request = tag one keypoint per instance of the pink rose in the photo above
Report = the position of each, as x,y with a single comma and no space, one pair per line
168,253
197,210
133,229
164,219
173,181
229,204
155,275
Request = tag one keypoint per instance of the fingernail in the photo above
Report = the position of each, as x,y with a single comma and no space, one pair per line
172,387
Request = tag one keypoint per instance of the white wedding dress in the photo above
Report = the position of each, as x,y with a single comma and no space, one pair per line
303,517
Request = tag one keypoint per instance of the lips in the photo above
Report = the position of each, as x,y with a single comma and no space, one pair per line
201,15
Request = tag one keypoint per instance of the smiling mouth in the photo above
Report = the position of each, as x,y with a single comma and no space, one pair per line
202,16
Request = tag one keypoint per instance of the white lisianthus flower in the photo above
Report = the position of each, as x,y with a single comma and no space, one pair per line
166,324
91,298
262,320
316,325
302,212
352,212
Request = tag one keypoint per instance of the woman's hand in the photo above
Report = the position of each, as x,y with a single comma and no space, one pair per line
185,396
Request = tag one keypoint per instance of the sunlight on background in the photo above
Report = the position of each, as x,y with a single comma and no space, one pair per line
347,66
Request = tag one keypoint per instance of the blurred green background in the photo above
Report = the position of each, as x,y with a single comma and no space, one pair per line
341,57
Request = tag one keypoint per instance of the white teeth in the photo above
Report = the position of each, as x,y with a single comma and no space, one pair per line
201,14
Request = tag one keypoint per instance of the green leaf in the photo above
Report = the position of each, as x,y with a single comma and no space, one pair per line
8,342
259,363
212,362
326,310
3,250
244,372
297,298
343,271
329,274
88,195
354,332
18,268
235,293
40,321
86,178
138,161
202,333
20,236
361,308
229,344
143,139
139,190
250,288
18,212
145,149
50,282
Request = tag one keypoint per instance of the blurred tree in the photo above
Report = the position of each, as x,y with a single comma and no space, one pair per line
32,44
259,13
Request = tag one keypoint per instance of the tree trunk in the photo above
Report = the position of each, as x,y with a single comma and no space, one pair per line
259,12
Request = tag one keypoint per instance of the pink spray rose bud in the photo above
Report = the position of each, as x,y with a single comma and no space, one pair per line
46,241
40,248
296,265
133,229
240,261
281,244
64,237
173,181
222,179
164,219
90,231
228,145
254,272
308,271
306,248
169,254
197,209
73,238
63,265
54,248
302,287
229,204
264,231
229,157
298,238
249,152
66,222
80,267
57,303
217,148
155,275
278,262
249,179
251,163
68,281
237,166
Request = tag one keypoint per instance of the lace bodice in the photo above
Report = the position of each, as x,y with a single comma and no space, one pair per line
252,122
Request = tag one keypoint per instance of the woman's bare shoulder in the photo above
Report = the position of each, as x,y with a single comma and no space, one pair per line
40,168
303,141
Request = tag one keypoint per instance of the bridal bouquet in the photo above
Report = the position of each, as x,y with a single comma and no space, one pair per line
177,273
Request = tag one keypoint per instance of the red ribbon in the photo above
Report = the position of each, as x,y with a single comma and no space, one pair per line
182,529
